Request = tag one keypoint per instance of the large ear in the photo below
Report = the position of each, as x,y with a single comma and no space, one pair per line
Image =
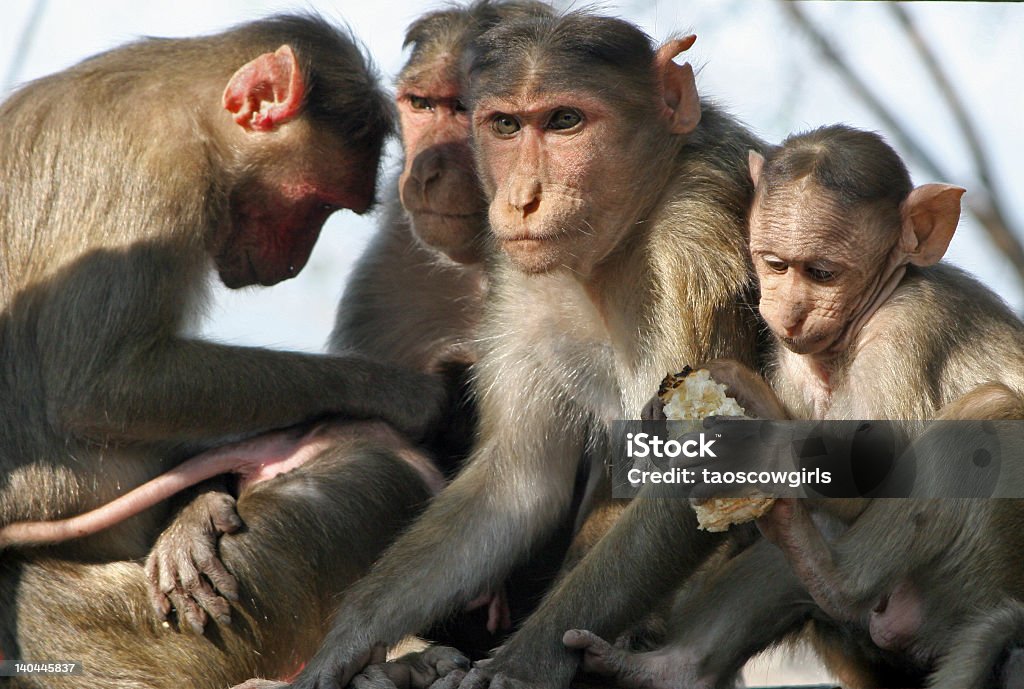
681,104
756,162
930,216
266,92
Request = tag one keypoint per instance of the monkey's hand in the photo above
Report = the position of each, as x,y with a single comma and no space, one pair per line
417,670
184,571
493,674
746,387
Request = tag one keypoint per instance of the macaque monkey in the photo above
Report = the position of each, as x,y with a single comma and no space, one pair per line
867,325
613,210
414,299
125,179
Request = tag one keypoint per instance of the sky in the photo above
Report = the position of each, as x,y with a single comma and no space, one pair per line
749,58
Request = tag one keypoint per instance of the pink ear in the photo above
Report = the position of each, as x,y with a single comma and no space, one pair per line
930,216
680,102
267,91
756,162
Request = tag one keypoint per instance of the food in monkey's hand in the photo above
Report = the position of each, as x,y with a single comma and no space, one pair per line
694,395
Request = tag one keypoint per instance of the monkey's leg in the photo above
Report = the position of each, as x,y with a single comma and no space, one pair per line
988,652
734,609
309,534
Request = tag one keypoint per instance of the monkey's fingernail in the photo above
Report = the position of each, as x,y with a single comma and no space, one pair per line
165,624
463,662
224,619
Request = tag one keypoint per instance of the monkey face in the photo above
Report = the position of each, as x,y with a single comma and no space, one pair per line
280,196
552,167
438,186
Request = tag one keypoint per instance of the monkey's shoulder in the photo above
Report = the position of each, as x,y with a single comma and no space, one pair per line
942,332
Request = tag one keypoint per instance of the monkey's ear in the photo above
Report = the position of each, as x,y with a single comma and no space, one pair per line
930,215
680,102
756,162
266,92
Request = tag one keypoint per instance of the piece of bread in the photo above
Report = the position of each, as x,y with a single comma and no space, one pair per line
694,395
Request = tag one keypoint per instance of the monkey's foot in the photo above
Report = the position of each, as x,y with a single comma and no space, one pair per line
663,669
412,671
184,571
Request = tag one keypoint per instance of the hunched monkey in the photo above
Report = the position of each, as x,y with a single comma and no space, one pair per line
597,257
866,326
115,205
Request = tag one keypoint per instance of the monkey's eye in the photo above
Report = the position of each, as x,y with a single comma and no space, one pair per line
564,119
505,125
420,103
820,274
775,265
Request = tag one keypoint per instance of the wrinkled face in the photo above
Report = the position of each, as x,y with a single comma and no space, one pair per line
814,268
551,165
438,185
285,189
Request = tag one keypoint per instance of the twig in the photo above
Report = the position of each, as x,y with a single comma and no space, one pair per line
985,207
21,50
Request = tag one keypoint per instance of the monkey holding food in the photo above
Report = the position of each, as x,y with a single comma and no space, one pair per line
867,326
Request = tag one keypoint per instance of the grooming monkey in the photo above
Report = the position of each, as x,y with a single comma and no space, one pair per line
867,326
125,178
614,209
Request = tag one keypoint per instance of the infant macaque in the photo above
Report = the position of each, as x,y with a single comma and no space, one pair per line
868,325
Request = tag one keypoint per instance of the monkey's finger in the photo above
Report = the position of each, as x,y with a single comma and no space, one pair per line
161,606
212,568
217,608
654,410
224,513
190,615
450,681
444,660
378,677
599,656
477,678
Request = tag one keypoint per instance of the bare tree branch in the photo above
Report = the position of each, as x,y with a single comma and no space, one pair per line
984,205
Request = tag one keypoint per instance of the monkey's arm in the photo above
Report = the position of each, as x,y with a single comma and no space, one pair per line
518,483
737,607
652,548
183,390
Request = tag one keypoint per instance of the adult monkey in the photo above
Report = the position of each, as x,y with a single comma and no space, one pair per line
415,300
110,218
599,257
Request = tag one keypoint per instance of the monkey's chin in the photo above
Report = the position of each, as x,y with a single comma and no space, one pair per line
808,345
531,256
455,236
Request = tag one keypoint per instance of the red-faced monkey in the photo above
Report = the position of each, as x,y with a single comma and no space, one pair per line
866,326
125,178
617,202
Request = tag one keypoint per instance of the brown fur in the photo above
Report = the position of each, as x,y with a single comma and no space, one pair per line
562,352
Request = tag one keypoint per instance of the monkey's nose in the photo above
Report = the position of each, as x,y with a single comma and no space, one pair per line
526,198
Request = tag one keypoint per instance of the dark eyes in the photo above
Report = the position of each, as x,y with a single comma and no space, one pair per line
564,119
420,103
820,275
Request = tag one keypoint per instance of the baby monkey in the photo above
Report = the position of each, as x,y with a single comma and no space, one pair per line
868,325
